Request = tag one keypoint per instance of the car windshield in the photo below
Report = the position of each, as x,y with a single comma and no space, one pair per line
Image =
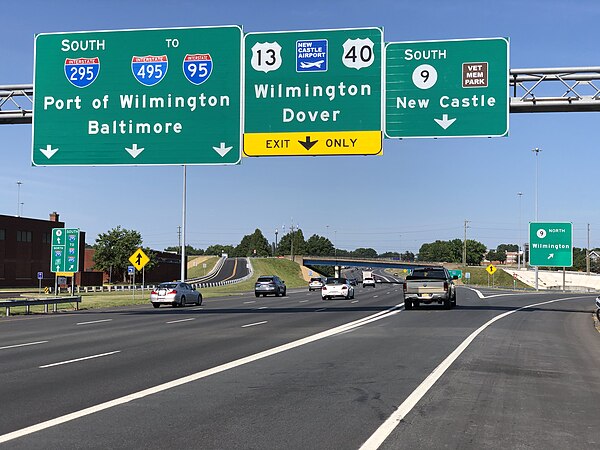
265,280
315,279
167,285
336,281
428,273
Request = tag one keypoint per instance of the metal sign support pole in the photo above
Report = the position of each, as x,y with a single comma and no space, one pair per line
183,265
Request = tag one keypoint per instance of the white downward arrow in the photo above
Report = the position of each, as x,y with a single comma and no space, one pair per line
49,151
444,122
134,150
222,150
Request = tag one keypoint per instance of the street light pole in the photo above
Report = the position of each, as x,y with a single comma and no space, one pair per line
18,197
276,231
536,151
520,195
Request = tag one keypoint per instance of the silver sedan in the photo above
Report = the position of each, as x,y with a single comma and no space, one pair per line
175,294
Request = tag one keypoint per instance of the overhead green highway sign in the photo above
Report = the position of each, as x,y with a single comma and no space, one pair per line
313,92
138,97
551,244
453,88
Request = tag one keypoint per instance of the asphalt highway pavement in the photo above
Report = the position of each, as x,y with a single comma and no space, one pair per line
298,372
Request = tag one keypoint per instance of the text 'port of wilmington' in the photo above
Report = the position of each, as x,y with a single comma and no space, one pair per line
138,102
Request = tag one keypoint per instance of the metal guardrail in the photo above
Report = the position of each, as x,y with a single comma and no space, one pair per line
29,302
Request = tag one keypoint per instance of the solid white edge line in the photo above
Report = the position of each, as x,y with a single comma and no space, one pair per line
255,323
93,321
79,359
197,376
22,345
182,320
385,429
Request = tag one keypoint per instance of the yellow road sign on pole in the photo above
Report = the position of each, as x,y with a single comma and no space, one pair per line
491,269
139,259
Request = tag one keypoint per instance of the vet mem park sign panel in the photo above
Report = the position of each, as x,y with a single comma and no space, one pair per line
138,97
313,92
551,244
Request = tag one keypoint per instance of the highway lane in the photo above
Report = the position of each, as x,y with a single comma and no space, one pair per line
232,268
331,393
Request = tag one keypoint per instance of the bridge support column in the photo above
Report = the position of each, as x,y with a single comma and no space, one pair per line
337,271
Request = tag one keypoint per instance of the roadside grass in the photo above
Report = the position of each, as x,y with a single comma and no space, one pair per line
480,277
287,270
198,270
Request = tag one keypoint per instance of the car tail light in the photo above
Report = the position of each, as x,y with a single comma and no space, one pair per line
172,291
344,287
445,285
324,288
404,286
153,293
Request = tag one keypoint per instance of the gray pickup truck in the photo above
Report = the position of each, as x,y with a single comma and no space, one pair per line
429,285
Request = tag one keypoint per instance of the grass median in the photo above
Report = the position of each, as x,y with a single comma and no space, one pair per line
287,270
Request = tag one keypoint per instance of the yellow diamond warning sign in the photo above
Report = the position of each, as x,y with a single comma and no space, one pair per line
491,269
139,259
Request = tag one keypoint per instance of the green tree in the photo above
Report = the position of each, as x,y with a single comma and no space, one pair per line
218,249
364,253
507,248
189,250
451,251
254,244
319,246
285,244
113,250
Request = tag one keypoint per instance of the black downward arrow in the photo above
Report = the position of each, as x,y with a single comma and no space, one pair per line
139,259
308,143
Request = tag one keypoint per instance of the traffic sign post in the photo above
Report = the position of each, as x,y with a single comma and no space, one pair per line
65,250
551,244
311,93
453,88
138,97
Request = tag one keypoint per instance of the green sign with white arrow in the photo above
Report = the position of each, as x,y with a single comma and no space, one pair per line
456,88
551,244
65,250
138,97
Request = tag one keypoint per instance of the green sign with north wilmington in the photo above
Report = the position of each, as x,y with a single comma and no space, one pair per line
138,97
551,244
456,88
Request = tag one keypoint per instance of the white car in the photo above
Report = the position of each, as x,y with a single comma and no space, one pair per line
368,282
175,294
337,287
315,284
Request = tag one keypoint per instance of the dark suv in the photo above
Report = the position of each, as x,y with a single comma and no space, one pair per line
270,284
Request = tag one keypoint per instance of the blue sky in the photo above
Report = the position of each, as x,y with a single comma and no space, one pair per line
419,191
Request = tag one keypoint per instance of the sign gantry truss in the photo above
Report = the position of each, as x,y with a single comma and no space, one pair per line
16,103
563,89
566,89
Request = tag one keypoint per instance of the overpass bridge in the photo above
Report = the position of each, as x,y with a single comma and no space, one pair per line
311,261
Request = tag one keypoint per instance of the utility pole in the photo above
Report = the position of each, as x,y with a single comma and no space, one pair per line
587,251
292,240
520,195
464,255
179,239
536,151
19,198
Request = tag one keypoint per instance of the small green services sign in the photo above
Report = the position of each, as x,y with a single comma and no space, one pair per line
551,244
138,97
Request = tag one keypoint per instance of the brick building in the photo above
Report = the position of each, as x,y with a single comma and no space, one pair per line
25,250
